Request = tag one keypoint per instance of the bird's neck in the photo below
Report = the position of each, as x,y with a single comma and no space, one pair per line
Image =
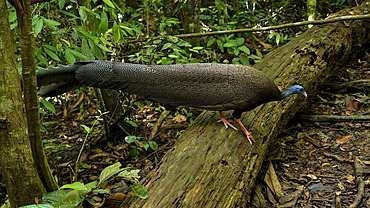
286,92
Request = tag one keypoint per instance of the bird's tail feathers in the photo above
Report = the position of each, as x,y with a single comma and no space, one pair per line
57,80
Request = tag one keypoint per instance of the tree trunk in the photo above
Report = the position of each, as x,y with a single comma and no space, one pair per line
192,20
211,166
26,41
22,181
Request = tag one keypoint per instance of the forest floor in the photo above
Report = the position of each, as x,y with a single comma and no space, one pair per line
321,163
326,163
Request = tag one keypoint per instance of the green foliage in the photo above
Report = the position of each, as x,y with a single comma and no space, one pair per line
72,195
278,38
135,149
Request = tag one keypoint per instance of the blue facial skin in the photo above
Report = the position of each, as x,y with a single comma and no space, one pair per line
293,89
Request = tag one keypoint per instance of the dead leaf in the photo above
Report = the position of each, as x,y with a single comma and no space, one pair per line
313,177
179,118
343,139
351,103
350,178
341,186
99,155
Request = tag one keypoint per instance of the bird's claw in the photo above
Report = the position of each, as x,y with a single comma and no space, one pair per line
227,123
249,136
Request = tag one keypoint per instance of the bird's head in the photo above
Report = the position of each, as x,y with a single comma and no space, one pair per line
293,89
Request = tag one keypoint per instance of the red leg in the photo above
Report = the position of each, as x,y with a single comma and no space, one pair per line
226,122
249,135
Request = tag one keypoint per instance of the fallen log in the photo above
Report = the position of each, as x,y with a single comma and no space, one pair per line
211,166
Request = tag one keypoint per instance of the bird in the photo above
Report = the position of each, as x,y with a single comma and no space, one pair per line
206,86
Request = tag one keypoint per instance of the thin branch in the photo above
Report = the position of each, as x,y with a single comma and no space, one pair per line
295,24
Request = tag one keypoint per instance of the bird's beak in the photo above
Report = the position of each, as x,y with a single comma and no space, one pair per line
305,94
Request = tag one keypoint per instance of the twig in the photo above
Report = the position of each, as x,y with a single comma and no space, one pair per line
159,123
341,159
360,184
334,118
307,138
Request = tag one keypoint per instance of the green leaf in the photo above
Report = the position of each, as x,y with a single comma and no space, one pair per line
91,185
236,51
12,16
245,49
48,105
244,60
153,145
106,42
50,23
115,31
38,206
85,49
130,174
109,172
54,198
38,27
61,4
78,54
146,146
130,139
229,44
52,54
277,39
84,165
239,41
109,3
235,60
139,190
103,48
74,186
100,191
103,26
173,56
40,57
167,45
82,12
73,198
132,123
211,41
69,56
87,129
198,48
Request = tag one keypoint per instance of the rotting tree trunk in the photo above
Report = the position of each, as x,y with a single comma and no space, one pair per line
211,166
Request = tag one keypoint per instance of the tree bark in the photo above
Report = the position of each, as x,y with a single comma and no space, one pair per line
211,166
22,181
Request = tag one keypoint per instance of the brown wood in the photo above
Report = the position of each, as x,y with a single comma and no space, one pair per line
211,166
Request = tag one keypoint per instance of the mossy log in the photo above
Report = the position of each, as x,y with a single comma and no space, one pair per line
211,166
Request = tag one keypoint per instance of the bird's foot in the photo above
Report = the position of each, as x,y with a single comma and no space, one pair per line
249,135
227,123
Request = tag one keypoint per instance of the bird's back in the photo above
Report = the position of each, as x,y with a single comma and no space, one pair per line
202,85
